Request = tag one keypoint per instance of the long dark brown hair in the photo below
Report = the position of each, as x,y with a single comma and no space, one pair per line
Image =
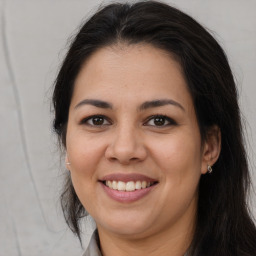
224,226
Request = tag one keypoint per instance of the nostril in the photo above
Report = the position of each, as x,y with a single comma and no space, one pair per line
112,159
134,159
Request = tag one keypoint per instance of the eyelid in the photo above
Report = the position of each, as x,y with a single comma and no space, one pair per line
170,121
167,118
86,119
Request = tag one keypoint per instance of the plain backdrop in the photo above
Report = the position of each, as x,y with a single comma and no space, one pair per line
33,42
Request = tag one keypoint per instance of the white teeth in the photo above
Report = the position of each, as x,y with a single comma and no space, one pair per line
128,186
121,186
109,184
114,184
143,184
138,185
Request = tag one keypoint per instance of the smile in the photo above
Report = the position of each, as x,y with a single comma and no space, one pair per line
128,186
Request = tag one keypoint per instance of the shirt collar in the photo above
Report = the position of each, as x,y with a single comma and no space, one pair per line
93,248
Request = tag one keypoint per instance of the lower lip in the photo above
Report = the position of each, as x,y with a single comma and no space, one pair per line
127,196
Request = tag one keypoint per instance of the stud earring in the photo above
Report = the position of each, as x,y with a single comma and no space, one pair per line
209,168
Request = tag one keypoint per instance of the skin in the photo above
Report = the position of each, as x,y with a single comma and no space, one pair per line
130,141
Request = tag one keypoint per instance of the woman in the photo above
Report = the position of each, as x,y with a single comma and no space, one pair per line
146,109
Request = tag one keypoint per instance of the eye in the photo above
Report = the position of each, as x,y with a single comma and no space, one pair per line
160,121
96,120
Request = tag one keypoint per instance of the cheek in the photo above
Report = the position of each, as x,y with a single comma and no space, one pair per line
179,158
84,153
179,150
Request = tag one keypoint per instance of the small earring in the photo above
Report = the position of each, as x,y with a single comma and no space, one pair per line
68,163
209,168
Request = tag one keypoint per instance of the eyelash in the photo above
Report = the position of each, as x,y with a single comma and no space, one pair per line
166,119
85,120
151,118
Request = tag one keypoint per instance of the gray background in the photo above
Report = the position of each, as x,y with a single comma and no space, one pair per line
33,42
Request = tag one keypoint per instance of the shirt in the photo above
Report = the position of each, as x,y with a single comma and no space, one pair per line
93,247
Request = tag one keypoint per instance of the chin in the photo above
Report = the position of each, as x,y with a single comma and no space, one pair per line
126,226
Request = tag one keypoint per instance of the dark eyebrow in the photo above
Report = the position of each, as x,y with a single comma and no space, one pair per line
160,103
93,102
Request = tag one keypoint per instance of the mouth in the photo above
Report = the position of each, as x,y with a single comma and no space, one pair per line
128,182
128,186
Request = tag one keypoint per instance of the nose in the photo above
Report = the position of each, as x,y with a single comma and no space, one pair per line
126,147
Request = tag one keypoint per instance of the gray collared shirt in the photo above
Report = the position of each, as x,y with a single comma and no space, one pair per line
93,247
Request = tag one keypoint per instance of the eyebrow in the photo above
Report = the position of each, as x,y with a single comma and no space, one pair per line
160,103
143,106
94,102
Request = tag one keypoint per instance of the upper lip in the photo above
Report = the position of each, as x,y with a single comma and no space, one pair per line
125,177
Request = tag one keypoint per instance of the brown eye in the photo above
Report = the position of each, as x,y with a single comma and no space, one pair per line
160,121
96,120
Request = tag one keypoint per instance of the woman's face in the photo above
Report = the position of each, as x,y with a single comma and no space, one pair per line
133,142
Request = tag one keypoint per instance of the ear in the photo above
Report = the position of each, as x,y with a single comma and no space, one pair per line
211,148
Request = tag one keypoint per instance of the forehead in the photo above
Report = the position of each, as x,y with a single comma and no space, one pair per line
129,70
